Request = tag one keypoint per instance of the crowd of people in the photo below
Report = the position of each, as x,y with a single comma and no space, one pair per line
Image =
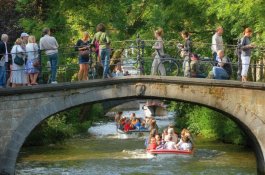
169,139
23,67
132,123
223,65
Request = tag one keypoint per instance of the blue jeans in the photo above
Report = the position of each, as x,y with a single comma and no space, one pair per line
105,60
2,76
219,73
53,59
215,58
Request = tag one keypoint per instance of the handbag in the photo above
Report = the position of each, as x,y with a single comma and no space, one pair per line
18,60
84,53
36,60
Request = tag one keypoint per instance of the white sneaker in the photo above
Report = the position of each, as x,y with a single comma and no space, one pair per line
54,82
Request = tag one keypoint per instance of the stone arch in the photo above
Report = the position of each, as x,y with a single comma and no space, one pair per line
236,101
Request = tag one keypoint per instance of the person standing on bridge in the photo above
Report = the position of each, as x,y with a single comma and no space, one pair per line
186,52
18,75
217,42
104,48
83,46
3,60
50,45
32,55
159,53
246,48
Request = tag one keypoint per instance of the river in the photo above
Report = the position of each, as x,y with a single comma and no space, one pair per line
104,153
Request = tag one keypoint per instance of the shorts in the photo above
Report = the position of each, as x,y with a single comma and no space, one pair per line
82,60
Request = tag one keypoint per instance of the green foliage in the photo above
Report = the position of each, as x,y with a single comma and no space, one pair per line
209,124
62,126
125,19
97,112
182,108
53,130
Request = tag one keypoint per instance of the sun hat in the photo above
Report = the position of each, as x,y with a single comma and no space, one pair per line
24,34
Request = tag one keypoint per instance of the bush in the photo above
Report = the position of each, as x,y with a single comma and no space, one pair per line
210,124
51,131
64,125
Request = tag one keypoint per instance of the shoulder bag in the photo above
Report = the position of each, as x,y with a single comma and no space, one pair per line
18,59
84,53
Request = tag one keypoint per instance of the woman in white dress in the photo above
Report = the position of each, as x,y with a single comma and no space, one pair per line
32,53
18,71
159,52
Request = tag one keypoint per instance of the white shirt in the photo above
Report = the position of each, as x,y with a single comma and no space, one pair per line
170,145
217,43
32,51
49,44
17,50
185,146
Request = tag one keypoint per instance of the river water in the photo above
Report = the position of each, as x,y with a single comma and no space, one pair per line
104,153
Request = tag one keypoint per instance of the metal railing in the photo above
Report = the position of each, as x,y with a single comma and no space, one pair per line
137,54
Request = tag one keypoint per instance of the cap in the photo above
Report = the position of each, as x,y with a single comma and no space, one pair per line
24,34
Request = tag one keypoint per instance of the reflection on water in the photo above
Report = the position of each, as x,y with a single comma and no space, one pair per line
104,154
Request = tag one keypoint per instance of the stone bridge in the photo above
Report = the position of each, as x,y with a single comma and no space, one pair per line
22,109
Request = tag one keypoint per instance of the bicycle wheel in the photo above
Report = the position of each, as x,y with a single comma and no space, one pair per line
205,67
171,67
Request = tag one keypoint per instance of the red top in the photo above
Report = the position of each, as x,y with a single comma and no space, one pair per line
127,127
151,146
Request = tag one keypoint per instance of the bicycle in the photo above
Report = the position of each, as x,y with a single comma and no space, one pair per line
205,65
94,67
133,63
174,66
